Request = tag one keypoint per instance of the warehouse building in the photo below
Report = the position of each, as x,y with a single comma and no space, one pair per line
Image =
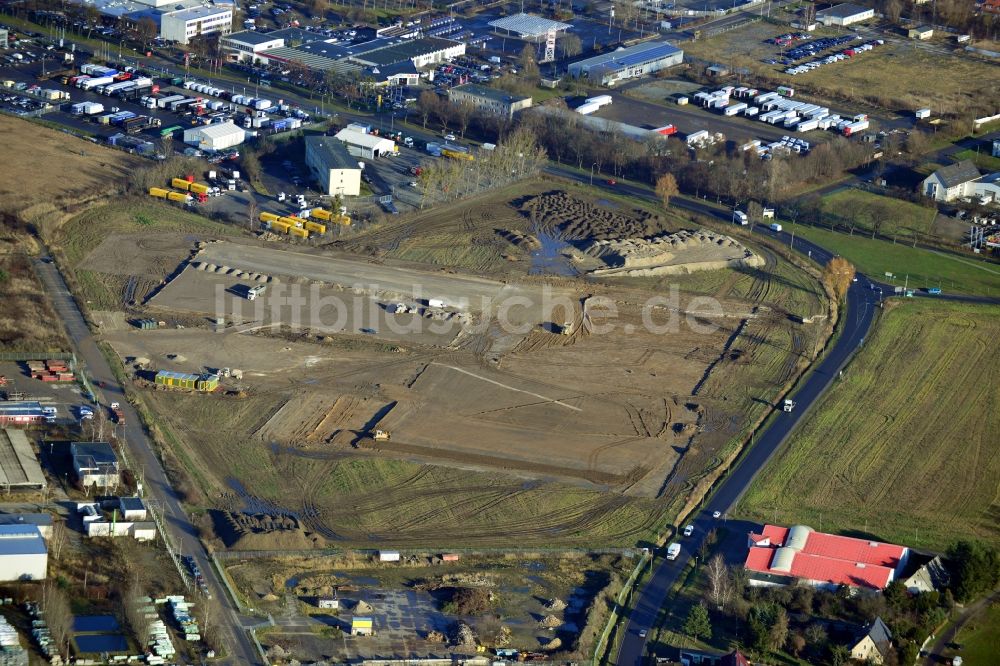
366,146
217,136
527,26
421,52
19,468
362,626
43,521
787,555
95,464
23,554
844,14
333,167
21,413
184,25
489,100
246,46
954,181
639,60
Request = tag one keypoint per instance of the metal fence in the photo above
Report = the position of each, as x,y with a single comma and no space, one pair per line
38,356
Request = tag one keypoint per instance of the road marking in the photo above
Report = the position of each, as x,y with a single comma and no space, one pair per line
511,388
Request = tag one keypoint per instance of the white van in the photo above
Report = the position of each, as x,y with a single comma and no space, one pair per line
739,217
673,550
775,226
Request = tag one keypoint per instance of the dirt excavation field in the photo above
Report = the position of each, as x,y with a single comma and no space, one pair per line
531,402
905,447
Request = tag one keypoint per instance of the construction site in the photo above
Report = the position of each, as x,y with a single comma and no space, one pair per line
457,390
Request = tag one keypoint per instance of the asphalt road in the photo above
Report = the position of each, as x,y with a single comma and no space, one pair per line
862,300
182,533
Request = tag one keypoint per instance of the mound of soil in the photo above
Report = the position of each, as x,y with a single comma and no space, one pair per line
555,605
550,622
467,600
363,608
436,637
246,531
462,635
579,220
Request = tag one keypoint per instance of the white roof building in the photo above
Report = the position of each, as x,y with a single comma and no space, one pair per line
844,14
23,554
248,45
217,136
367,146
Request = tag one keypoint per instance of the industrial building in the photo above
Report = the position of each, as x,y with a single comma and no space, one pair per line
366,146
489,100
95,464
960,181
245,46
610,68
19,468
184,25
131,508
332,165
421,52
844,14
402,56
184,380
217,136
23,554
920,32
43,521
786,555
527,26
21,413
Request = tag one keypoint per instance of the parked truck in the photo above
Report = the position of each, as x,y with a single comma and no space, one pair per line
117,414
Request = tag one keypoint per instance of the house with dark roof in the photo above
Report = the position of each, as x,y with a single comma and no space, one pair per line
705,658
954,181
874,646
929,577
786,555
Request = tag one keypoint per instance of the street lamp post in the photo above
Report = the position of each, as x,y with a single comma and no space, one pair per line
592,167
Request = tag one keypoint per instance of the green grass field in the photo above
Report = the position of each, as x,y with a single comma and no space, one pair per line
982,159
904,218
83,233
904,446
926,268
980,637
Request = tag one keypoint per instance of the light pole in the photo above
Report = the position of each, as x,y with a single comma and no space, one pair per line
593,166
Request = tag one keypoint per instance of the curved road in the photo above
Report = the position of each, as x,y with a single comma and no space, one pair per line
183,535
862,299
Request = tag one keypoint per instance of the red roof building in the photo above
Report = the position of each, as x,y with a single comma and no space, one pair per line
778,555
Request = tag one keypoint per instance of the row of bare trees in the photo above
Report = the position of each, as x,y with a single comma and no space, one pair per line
519,156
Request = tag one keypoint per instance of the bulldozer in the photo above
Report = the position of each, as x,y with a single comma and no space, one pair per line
381,435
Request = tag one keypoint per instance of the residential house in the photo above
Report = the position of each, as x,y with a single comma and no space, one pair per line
931,576
874,646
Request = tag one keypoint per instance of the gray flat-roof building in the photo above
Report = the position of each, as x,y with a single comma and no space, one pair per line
245,46
333,166
23,554
609,68
489,100
19,466
844,14
421,52
95,463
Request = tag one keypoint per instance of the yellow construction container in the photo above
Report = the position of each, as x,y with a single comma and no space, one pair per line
158,192
178,196
269,217
343,219
301,233
283,227
316,227
321,214
457,155
199,188
180,184
292,221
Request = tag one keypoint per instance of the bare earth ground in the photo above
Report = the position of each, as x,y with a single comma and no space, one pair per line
496,434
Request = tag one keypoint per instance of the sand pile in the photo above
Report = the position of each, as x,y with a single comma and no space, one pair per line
550,622
671,254
555,605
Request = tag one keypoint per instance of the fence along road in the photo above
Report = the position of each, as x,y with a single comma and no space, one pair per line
180,533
